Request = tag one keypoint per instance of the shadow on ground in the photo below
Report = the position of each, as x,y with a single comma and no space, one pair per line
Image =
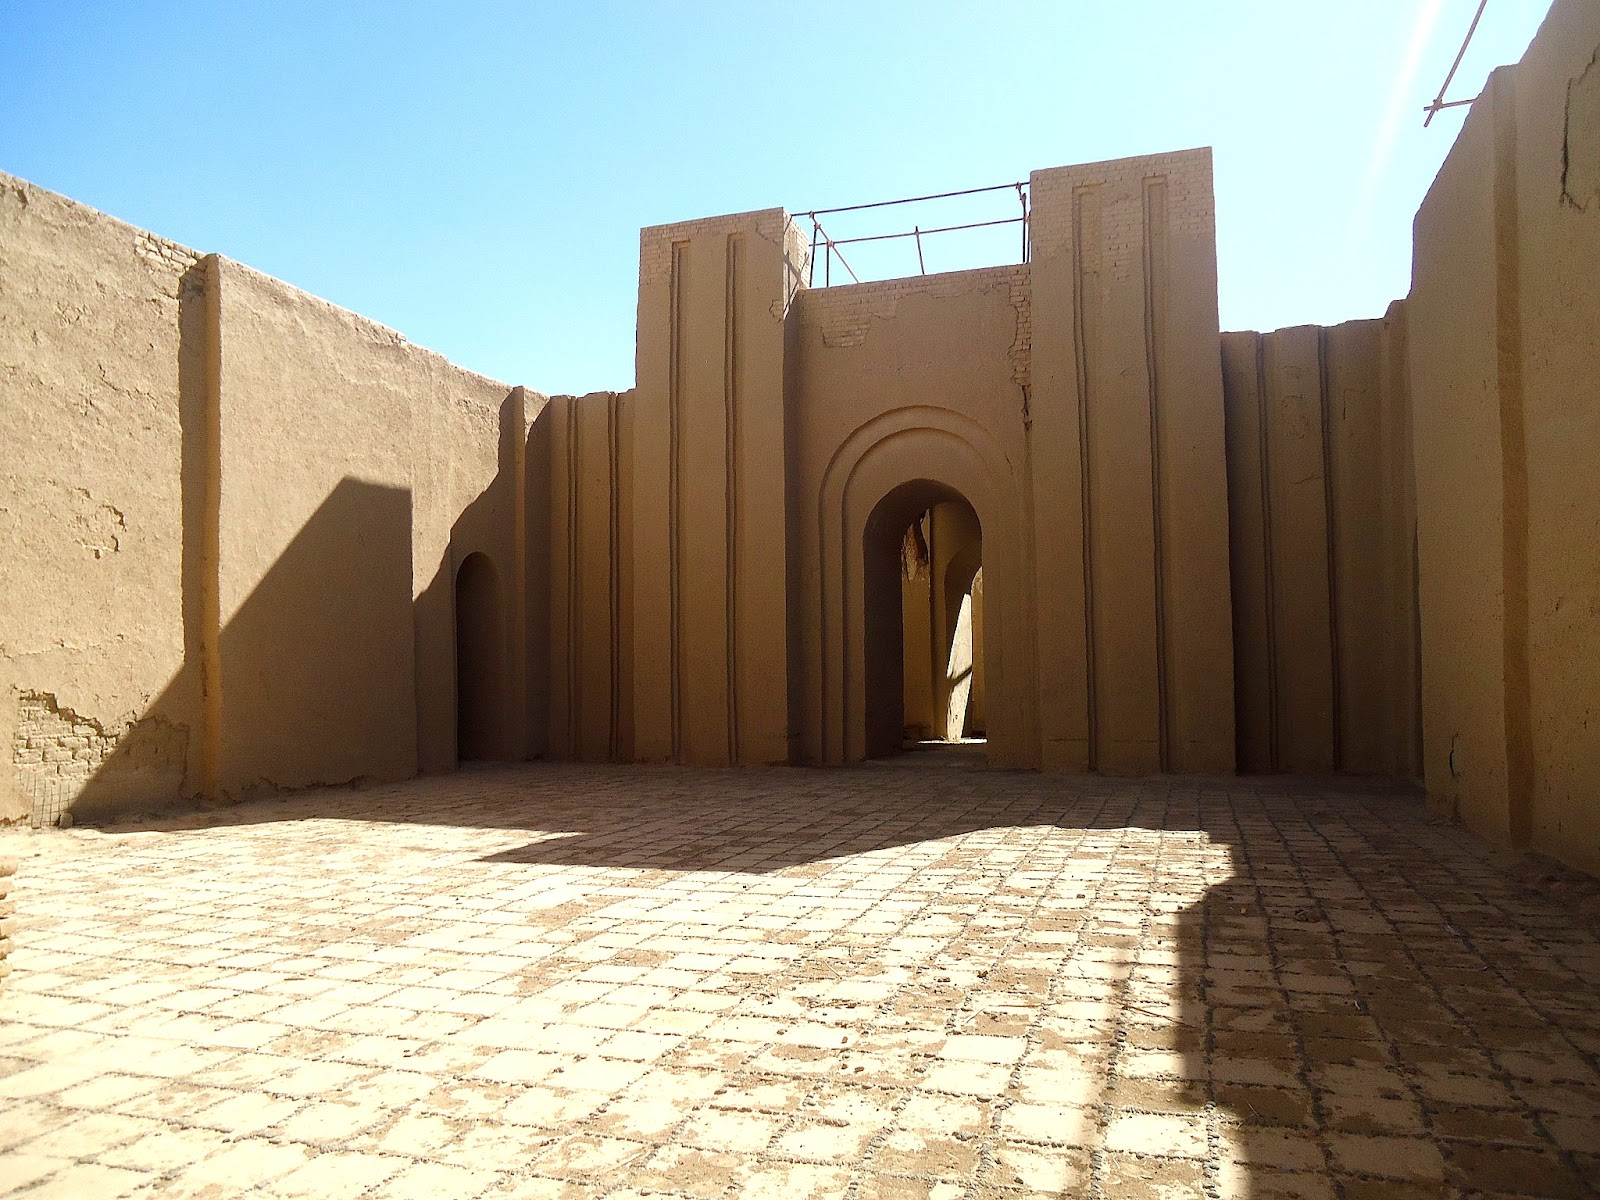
1243,986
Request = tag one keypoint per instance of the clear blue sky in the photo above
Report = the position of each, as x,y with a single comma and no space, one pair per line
474,174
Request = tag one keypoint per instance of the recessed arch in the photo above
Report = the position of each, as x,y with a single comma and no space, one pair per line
883,648
952,452
480,660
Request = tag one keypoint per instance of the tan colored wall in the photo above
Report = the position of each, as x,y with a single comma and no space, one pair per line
347,455
234,514
232,517
1558,138
98,340
1503,363
957,546
1076,404
906,380
710,605
1321,547
930,606
916,621
977,718
588,454
1128,487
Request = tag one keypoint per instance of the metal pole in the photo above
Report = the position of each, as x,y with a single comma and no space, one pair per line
1022,198
833,248
996,187
916,232
1438,101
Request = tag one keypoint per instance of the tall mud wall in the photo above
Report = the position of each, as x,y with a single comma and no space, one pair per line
1504,363
232,515
911,383
100,343
1127,469
1322,549
582,447
709,504
235,518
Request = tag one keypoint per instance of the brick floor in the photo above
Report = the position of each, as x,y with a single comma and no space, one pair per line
611,982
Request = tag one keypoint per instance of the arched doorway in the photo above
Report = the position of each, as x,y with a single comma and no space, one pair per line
864,506
923,551
480,661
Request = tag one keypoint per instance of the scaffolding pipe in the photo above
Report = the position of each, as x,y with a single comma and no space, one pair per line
889,237
1438,104
831,247
1022,198
998,187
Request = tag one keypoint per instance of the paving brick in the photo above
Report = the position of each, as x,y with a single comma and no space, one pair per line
76,1181
907,983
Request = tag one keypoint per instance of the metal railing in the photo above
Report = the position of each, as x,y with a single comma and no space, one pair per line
830,246
1439,102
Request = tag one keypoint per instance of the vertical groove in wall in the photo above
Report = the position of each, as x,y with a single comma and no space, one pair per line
519,569
1155,284
1331,526
730,396
574,566
1086,235
675,368
211,538
1518,688
614,581
936,663
1268,567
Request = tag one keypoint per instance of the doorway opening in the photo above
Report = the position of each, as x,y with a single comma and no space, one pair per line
480,661
925,624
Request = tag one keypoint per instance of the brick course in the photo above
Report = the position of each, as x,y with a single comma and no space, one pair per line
885,981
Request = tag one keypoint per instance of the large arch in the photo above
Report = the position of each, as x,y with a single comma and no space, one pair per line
925,450
480,661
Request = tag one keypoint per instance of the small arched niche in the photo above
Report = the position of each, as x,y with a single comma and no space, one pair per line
923,554
480,661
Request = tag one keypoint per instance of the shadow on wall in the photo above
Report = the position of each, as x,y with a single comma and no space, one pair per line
317,664
480,659
291,666
477,692
328,671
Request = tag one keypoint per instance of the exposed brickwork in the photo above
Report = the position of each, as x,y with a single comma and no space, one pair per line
158,250
56,752
1191,206
655,241
881,982
1021,288
845,312
797,258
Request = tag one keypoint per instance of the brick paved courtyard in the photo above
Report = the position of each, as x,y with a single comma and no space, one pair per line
883,982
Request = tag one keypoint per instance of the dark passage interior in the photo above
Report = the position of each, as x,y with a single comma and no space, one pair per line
924,616
479,661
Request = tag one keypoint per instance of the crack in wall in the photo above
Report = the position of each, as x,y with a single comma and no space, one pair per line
1580,143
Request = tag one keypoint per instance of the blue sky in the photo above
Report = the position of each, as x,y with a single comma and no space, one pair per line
474,174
